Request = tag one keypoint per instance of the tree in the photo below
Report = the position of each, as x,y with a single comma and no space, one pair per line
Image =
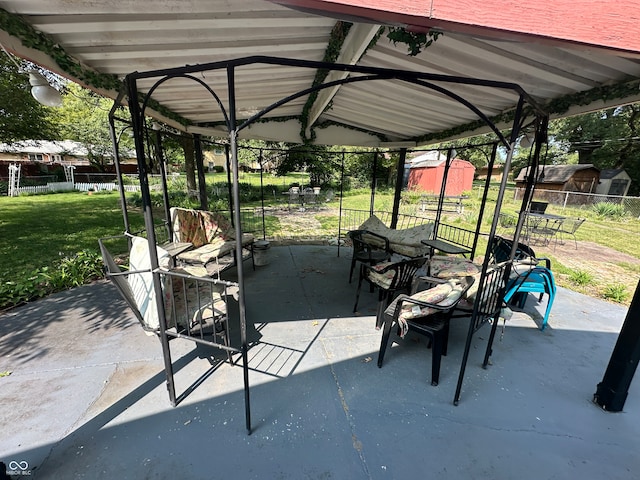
84,117
317,160
606,139
21,116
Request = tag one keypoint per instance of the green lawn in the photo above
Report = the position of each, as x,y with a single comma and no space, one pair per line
39,232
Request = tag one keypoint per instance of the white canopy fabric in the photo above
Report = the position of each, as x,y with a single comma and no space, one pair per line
97,43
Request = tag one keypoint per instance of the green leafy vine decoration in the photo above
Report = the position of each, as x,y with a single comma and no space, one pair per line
415,41
19,28
331,53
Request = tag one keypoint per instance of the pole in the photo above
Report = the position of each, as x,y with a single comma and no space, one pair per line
398,191
613,390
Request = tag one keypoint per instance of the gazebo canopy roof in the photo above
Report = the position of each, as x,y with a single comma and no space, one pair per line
565,63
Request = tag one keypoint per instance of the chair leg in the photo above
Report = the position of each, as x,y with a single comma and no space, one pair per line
386,333
353,265
355,307
445,339
382,297
436,356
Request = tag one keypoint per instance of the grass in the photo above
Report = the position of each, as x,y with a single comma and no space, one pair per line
41,233
38,230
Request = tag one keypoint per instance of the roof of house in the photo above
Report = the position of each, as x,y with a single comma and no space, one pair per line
49,147
610,173
556,173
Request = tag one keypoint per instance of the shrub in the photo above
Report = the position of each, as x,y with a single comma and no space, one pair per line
67,273
609,210
580,277
616,292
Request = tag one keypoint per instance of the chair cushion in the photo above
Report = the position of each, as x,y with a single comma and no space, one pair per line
187,226
444,295
210,251
216,226
195,303
142,283
405,241
442,266
384,279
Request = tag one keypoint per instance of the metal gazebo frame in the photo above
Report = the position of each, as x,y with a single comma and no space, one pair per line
527,111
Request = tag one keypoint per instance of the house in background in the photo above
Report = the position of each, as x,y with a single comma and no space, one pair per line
62,151
45,158
614,182
496,174
215,158
427,171
582,177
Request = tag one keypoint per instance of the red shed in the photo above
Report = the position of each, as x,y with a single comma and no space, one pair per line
427,171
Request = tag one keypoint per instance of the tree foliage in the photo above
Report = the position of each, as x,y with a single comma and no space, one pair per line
21,116
84,118
317,160
606,139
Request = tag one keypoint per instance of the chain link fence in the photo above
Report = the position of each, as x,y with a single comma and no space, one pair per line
564,199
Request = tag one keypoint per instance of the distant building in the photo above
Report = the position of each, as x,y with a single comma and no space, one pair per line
427,171
45,157
568,178
46,151
614,182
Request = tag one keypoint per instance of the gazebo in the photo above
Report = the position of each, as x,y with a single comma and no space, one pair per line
378,74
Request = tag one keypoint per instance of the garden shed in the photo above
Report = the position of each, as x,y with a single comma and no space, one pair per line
615,181
567,178
427,171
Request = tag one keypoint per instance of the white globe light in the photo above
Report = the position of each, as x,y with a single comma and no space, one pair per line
43,92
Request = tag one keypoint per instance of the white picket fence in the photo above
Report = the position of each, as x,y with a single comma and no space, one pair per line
105,187
82,187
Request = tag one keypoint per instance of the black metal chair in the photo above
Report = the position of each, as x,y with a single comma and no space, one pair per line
428,313
368,248
389,279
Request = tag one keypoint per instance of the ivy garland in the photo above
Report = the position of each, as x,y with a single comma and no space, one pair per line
17,27
557,106
31,38
415,41
331,53
329,123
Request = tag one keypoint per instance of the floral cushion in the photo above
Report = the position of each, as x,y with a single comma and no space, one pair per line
442,266
383,279
444,295
208,252
194,303
405,242
216,226
188,227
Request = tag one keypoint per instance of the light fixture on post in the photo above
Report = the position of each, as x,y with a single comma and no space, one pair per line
42,91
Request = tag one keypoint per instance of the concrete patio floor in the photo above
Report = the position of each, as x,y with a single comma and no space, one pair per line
87,399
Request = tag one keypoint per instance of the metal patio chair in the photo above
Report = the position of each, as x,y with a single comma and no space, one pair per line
569,227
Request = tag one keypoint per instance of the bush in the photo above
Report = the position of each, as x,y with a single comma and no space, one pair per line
616,293
609,210
67,273
580,277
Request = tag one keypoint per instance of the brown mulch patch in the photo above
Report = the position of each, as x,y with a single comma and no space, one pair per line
606,265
